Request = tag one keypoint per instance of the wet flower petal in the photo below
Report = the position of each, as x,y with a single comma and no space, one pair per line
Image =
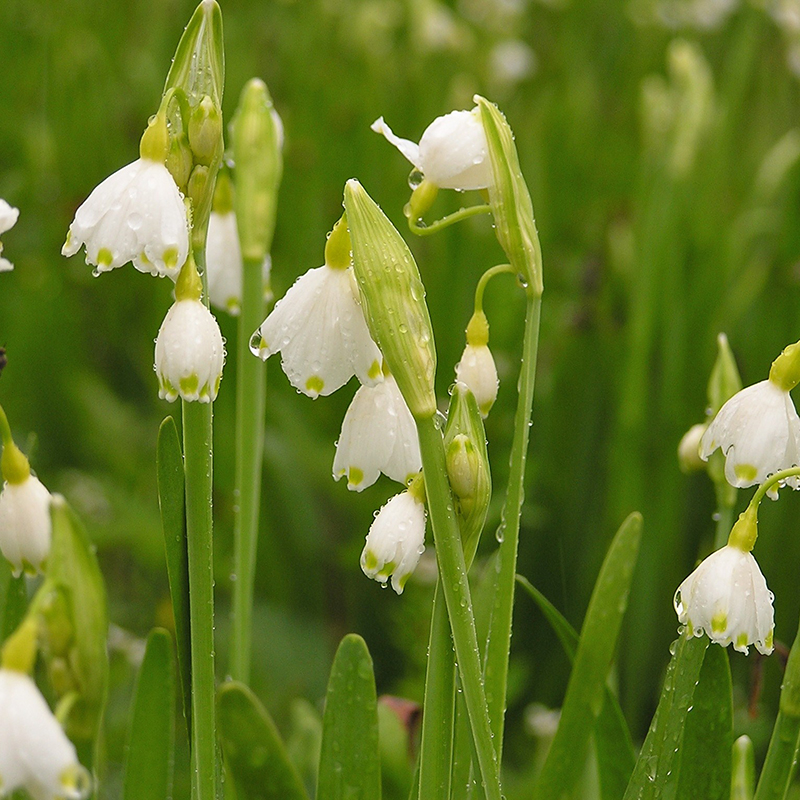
25,526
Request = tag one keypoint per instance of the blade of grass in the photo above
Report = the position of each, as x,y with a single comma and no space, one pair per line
585,691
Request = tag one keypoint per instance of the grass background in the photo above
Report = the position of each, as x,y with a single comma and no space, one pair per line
645,263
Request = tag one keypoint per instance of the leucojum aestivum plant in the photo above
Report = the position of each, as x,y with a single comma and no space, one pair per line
201,212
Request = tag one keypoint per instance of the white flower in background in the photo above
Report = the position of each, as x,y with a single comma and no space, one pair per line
8,218
25,526
478,371
35,753
137,214
395,541
190,353
759,432
224,263
378,435
727,598
452,153
319,329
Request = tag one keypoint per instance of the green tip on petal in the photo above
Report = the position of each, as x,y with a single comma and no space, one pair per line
719,622
769,640
104,257
370,561
189,384
315,385
746,472
741,640
354,476
388,569
374,371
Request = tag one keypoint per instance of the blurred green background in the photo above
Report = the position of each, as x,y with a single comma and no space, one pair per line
661,141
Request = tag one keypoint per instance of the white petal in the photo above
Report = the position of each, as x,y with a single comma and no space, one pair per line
408,148
224,262
8,216
25,526
190,353
477,370
5,265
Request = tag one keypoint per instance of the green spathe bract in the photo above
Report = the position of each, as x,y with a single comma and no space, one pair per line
259,166
393,299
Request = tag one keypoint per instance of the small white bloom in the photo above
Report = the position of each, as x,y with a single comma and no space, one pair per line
25,526
477,370
452,153
8,218
190,353
395,541
319,329
727,598
759,432
137,214
224,263
35,753
378,435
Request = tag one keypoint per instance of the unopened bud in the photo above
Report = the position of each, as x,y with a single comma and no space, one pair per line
785,370
179,161
422,198
205,132
689,449
58,628
724,382
198,185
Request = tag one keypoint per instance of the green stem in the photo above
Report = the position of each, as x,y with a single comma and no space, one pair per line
779,765
420,228
251,389
197,446
773,480
500,269
5,428
436,750
725,514
454,582
499,642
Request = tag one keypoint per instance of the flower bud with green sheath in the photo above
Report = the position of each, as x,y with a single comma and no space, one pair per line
510,199
393,299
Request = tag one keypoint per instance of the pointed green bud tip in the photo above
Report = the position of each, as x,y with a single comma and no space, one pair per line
223,193
257,136
478,330
337,247
13,464
19,651
198,67
744,533
785,370
189,285
205,132
725,380
154,144
463,465
393,299
510,199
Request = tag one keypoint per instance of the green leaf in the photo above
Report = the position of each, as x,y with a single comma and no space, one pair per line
655,765
706,752
743,782
171,500
148,767
349,764
615,753
13,600
255,754
585,691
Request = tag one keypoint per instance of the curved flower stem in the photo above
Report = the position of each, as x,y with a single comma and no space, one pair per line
770,482
500,269
197,447
251,389
420,228
499,642
453,575
783,746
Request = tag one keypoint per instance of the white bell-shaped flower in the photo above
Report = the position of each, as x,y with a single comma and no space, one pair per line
758,430
378,435
319,328
477,370
8,218
190,353
35,753
452,153
25,525
395,541
224,263
727,598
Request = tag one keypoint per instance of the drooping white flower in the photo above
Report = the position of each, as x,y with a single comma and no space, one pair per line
378,435
137,214
35,753
224,263
758,430
25,526
452,153
8,218
477,370
395,541
319,329
190,353
727,598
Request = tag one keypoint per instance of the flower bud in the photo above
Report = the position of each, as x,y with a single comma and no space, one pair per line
476,367
179,161
393,299
724,381
257,141
205,131
689,449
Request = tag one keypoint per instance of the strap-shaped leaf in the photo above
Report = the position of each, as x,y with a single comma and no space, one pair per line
255,754
13,600
586,688
349,764
706,756
615,753
656,763
149,765
172,501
